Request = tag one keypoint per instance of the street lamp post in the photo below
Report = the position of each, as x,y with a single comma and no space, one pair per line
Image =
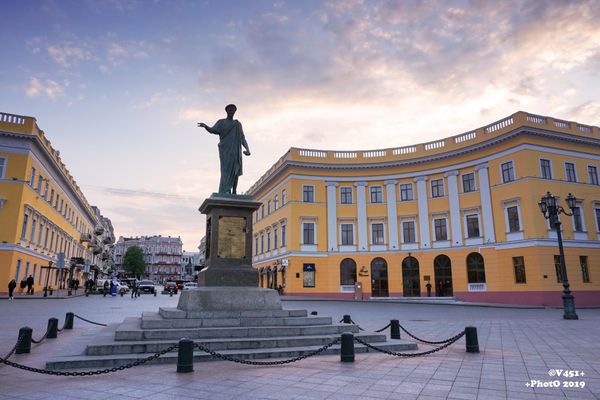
551,209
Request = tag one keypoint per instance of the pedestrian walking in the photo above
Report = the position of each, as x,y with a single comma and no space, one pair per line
11,288
30,285
134,289
105,287
23,285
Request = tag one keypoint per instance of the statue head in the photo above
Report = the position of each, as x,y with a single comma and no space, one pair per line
230,109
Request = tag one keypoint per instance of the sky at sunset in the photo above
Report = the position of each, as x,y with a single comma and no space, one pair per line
119,85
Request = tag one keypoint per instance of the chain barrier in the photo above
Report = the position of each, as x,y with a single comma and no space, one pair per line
361,329
93,372
423,340
423,353
12,351
41,340
87,320
384,328
280,362
358,326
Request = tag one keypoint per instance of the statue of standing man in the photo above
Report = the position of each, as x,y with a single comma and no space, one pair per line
231,140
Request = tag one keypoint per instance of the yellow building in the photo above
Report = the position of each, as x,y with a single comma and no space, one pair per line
459,216
44,216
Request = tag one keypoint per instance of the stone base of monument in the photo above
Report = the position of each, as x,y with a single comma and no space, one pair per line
223,298
253,333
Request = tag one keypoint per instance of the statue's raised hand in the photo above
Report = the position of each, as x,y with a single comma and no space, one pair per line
247,152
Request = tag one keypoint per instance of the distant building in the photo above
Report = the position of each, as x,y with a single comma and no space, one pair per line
190,261
162,255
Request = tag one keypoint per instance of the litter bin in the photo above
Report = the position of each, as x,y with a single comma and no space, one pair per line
358,294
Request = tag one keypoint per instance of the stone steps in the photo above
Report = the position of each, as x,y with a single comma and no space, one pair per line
169,313
116,360
106,347
156,321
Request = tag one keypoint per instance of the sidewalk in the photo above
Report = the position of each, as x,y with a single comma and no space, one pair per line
56,294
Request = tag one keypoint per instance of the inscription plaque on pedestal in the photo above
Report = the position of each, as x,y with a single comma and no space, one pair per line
232,237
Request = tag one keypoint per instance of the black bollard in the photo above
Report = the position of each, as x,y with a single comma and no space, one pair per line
185,356
347,319
52,328
314,313
24,345
347,350
155,293
69,320
394,329
471,339
170,293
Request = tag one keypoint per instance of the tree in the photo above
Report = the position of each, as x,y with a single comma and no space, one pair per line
133,261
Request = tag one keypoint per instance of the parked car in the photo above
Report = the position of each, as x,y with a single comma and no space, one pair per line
190,285
146,286
170,287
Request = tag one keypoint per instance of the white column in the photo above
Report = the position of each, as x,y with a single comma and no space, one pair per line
331,216
486,203
423,211
361,205
390,187
451,177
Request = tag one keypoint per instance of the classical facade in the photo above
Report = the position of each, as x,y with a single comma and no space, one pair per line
162,255
45,218
457,216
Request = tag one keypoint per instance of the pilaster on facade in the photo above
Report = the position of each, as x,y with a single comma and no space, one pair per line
486,203
331,216
424,234
390,187
454,207
361,205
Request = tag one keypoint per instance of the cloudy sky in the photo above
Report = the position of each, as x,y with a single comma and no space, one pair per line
119,85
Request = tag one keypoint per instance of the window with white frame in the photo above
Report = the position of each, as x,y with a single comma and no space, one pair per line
437,188
262,211
377,235
24,229
406,192
256,245
269,207
275,238
597,214
33,225
592,175
512,214
283,197
39,185
577,219
468,182
345,195
585,273
262,243
376,194
32,178
282,235
268,240
308,233
276,202
439,226
508,172
347,235
2,167
408,232
545,169
570,173
472,225
308,193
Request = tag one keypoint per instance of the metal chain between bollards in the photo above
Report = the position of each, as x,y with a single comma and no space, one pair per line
280,362
423,340
41,339
89,373
424,353
384,328
12,351
87,320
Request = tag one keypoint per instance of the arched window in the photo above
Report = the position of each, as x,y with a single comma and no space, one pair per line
475,268
347,272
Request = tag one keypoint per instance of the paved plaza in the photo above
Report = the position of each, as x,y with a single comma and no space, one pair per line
517,346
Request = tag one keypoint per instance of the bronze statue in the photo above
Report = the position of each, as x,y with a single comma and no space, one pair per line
231,140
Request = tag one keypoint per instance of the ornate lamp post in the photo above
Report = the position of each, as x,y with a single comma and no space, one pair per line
551,209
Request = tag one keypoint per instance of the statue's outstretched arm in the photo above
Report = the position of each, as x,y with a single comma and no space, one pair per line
208,128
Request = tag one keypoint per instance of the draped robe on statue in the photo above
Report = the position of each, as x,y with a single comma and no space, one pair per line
230,153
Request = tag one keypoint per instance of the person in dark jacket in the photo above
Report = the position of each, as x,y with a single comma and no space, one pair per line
11,288
30,285
105,287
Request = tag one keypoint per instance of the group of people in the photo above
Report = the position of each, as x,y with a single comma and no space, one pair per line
25,283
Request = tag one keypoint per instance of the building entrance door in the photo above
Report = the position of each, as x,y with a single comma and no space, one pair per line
379,278
442,269
410,277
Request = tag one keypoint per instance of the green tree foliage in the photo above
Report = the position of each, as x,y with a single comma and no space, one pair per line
133,261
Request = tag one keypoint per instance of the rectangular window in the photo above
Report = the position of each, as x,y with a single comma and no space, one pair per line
406,192
437,188
545,169
262,211
276,202
346,195
347,234
46,190
473,226
519,266
376,194
440,229
34,271
570,175
508,172
513,219
255,245
468,181
593,175
275,242
268,241
377,233
51,196
2,167
24,230
558,269
46,238
585,273
282,235
41,231
408,232
283,197
308,232
597,211
18,271
32,178
308,279
577,221
262,243
269,207
27,264
39,186
308,194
